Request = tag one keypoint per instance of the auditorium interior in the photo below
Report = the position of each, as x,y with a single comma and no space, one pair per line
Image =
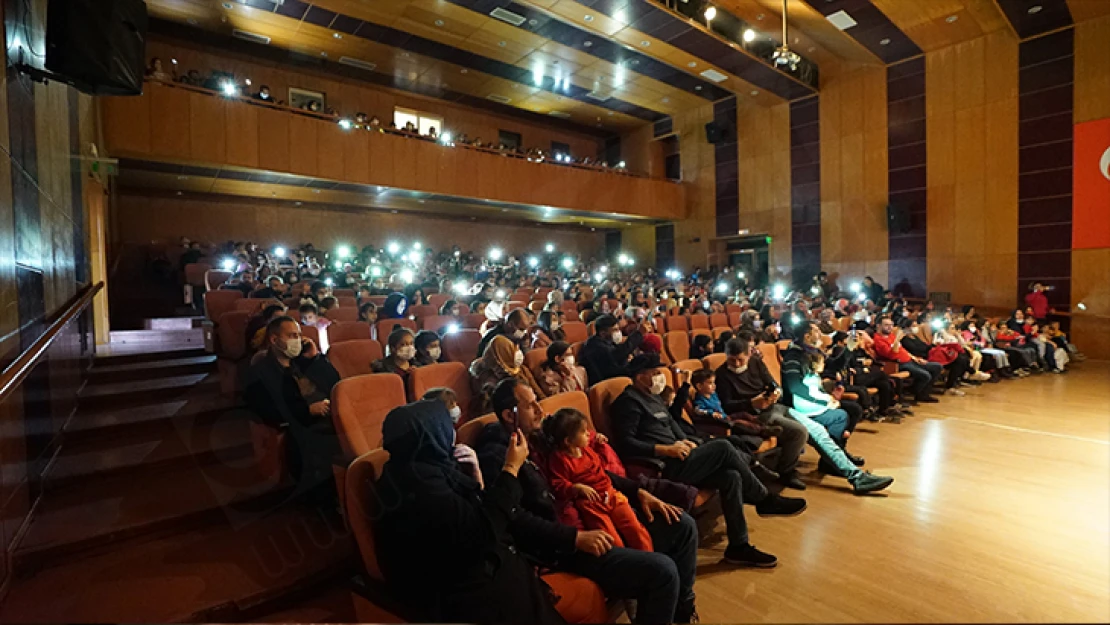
500,311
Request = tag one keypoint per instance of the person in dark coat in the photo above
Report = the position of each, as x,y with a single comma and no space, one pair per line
289,389
446,551
605,355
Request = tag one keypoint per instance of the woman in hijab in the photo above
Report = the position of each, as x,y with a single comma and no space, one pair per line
547,330
559,373
445,548
502,359
394,307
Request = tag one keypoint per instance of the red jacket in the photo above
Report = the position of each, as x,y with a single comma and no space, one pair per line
1039,303
565,471
884,349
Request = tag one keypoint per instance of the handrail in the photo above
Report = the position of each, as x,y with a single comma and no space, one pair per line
391,131
21,367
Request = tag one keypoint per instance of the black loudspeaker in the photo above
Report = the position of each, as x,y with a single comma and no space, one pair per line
898,218
98,46
717,132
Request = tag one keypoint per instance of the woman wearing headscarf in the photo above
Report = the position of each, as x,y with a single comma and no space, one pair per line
394,307
559,373
547,330
502,359
445,548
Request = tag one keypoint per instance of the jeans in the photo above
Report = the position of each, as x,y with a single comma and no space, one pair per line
791,441
652,579
877,380
921,376
826,446
835,421
717,464
956,370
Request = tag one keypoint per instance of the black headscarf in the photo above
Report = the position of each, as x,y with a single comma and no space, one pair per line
420,438
1014,324
394,307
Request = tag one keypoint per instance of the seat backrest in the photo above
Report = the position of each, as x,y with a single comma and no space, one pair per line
362,505
699,321
422,311
213,279
571,315
379,300
252,305
233,334
453,375
714,361
734,308
677,345
533,358
359,406
473,321
575,331
717,332
353,356
576,348
347,301
312,332
461,346
692,364
698,332
677,323
770,353
574,399
195,272
341,331
217,303
468,432
718,320
346,314
514,304
536,306
843,324
734,319
438,300
385,326
601,396
435,323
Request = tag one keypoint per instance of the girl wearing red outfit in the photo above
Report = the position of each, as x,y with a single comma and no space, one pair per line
581,487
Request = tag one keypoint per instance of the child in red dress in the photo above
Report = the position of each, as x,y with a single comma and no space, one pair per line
582,487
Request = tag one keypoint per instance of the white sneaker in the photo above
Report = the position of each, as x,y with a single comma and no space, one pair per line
955,391
981,376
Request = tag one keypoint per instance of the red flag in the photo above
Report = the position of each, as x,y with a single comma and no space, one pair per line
1091,174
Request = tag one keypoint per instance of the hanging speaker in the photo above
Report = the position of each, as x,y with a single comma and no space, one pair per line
718,132
98,46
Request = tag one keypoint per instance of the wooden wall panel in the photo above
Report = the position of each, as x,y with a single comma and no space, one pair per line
273,143
356,157
764,178
329,151
381,159
303,131
1092,70
693,235
1090,328
972,169
129,120
241,128
207,129
169,122
404,163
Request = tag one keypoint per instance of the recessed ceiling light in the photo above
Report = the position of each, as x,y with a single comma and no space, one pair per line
228,5
645,43
324,54
296,203
182,177
439,22
759,17
610,113
587,43
884,42
666,100
691,64
463,70
1036,8
755,92
588,18
337,35
502,44
316,191
395,212
533,22
697,87
180,193
951,18
749,35
841,20
635,62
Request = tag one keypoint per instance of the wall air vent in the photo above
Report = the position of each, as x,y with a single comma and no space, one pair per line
507,16
251,37
713,75
841,20
498,98
359,63
600,94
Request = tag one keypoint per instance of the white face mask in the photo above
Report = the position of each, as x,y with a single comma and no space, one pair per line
290,348
740,369
617,336
518,358
658,383
434,353
568,361
456,412
519,334
407,352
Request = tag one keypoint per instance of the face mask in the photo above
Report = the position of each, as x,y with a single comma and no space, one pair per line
407,352
290,348
456,412
519,334
518,358
617,336
757,323
658,383
434,353
569,360
308,322
740,369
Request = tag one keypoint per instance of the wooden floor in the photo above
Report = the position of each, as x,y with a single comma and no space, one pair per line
1000,512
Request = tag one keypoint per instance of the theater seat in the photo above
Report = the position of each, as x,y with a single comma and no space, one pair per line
438,323
231,359
353,357
453,375
363,507
574,399
571,315
253,305
359,406
575,331
420,312
718,331
677,323
347,301
691,365
213,279
312,332
347,314
473,321
533,358
385,326
734,308
601,396
699,321
343,293
195,272
217,303
734,319
341,331
770,353
438,300
677,345
468,432
461,346
718,320
714,361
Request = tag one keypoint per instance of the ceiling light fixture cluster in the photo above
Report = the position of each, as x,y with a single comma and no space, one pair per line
784,56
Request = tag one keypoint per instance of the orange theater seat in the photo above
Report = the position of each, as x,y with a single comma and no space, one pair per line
437,300
341,331
362,505
601,396
195,272
571,315
714,361
677,345
379,300
268,443
232,358
343,293
575,331
536,306
734,319
691,365
253,306
770,353
717,332
345,314
533,358
470,431
359,406
353,357
439,323
699,321
461,346
217,303
422,311
718,320
312,332
385,326
213,279
677,323
576,348
734,308
453,375
347,301
473,321
699,332
574,399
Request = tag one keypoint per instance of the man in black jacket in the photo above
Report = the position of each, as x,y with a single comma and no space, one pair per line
662,582
605,355
744,384
644,428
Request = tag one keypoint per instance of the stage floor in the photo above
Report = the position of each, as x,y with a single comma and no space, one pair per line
1000,511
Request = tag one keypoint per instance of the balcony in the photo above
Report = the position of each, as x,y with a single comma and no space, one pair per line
180,124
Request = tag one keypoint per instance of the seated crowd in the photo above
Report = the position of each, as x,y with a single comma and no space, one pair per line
607,497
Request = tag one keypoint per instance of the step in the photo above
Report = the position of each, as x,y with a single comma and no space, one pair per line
167,367
104,395
192,336
185,322
202,575
96,458
185,412
107,355
105,511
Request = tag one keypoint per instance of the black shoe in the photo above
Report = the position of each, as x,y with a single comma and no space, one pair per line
791,480
686,612
928,400
827,467
859,461
764,474
748,555
777,505
867,483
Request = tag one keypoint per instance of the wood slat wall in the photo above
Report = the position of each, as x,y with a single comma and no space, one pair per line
765,178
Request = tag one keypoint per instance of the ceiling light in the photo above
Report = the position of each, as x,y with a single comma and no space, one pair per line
324,54
951,18
749,35
759,17
812,49
691,64
192,21
713,75
841,20
1036,8
755,92
228,5
710,13
501,43
666,100
645,43
587,43
697,87
783,56
463,70
884,41
439,22
337,35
